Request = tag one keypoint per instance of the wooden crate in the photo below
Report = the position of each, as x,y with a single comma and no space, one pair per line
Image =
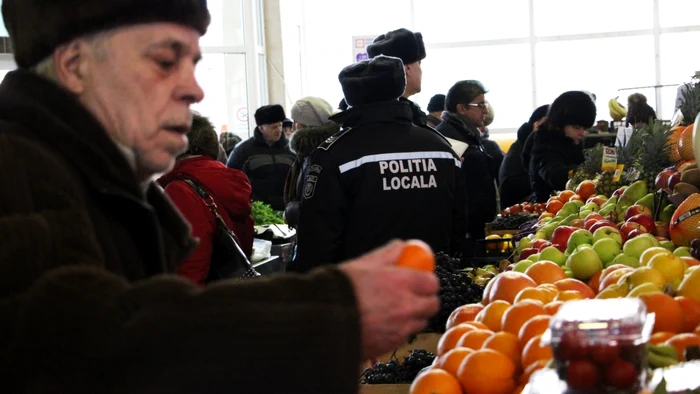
384,388
490,231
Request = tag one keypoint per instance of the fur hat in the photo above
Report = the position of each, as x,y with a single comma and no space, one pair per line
402,43
370,81
269,114
490,116
573,108
38,27
437,103
312,111
539,113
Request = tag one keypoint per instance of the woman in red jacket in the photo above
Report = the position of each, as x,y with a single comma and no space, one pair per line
229,188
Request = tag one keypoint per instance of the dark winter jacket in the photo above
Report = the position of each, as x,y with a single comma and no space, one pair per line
266,166
494,150
514,186
230,190
381,178
433,121
303,142
419,117
81,308
477,170
553,156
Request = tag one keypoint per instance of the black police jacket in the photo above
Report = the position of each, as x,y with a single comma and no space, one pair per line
380,178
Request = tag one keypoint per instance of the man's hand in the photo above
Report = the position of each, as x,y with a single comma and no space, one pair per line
393,302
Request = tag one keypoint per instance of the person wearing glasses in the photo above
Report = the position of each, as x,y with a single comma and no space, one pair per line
465,112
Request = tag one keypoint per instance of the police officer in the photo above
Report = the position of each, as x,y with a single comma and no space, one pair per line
380,178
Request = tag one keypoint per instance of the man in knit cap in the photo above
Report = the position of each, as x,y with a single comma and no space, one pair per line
381,178
100,104
435,108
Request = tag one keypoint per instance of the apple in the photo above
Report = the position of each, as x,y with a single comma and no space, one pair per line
569,208
682,251
578,223
668,245
579,237
673,180
636,233
627,228
607,249
643,289
509,267
618,192
540,244
646,221
607,232
534,257
526,253
625,260
593,217
646,275
584,263
637,209
522,265
602,223
522,244
636,246
591,206
552,253
560,236
598,200
671,267
662,179
662,230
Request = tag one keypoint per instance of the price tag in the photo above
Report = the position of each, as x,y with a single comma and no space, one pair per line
618,172
609,159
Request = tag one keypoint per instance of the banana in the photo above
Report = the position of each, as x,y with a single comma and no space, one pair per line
664,350
481,272
662,356
492,269
617,111
481,281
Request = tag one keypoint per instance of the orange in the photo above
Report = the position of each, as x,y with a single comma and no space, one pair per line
604,273
463,314
672,143
612,277
554,206
575,284
435,381
451,360
530,369
534,351
669,316
417,255
479,325
449,339
681,341
594,282
565,195
506,344
485,297
533,327
569,295
474,339
550,288
493,314
585,189
685,143
545,272
691,313
487,371
508,284
518,314
553,307
518,389
532,293
660,337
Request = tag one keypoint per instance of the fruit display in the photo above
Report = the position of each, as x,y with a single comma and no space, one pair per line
512,221
524,208
395,372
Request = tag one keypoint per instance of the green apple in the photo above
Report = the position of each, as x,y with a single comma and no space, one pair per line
584,263
668,245
583,246
682,251
568,272
607,249
534,257
591,206
584,213
523,265
667,213
608,232
579,237
624,260
551,253
637,245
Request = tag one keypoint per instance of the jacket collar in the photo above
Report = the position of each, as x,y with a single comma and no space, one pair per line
260,140
388,111
551,138
465,126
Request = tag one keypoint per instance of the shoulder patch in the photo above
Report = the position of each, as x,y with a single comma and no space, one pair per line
333,139
310,186
434,130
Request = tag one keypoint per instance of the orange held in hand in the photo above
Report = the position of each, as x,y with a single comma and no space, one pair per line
417,255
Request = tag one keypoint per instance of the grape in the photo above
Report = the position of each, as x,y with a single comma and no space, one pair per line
695,244
393,372
511,222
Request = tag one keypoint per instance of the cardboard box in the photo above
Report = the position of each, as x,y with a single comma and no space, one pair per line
384,388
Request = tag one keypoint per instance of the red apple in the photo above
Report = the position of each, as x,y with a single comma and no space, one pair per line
646,221
578,223
628,227
540,244
673,180
591,219
598,200
602,223
635,233
661,239
527,252
560,236
509,267
619,191
662,179
662,230
637,209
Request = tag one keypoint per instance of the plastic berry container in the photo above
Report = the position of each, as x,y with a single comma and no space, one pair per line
599,346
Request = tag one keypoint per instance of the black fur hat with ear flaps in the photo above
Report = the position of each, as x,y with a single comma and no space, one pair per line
38,27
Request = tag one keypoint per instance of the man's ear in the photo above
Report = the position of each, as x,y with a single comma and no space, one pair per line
71,65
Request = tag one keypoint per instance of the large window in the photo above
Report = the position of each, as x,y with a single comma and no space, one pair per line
526,52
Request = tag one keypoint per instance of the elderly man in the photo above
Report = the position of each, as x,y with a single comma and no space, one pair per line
99,105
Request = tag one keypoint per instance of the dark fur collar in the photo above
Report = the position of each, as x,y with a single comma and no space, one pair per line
304,141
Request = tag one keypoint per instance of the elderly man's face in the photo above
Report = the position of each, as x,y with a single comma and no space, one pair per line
140,85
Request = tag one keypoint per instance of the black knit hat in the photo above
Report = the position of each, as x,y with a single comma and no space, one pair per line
539,113
38,27
269,114
573,108
437,103
402,43
371,81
